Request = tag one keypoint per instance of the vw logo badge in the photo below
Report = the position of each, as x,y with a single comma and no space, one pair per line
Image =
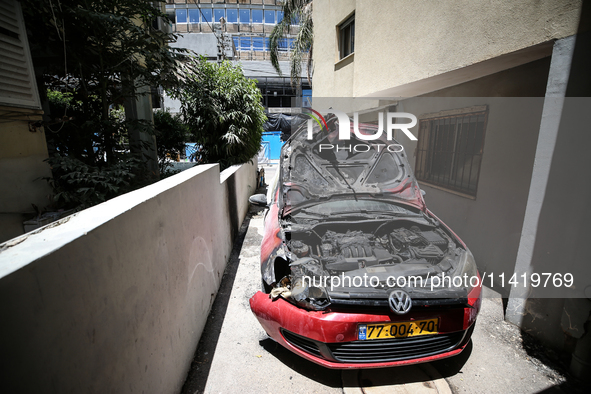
400,302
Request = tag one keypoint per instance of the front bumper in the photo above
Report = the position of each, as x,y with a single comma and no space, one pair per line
330,338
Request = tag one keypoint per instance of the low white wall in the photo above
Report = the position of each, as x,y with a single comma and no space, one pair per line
114,298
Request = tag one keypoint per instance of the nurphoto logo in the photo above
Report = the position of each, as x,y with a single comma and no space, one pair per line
345,130
345,125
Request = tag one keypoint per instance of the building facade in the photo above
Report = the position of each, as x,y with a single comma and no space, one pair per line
499,92
238,30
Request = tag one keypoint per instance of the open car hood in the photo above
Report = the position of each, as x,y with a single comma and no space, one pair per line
324,167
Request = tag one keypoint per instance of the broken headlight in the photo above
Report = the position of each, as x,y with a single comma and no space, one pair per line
307,296
467,270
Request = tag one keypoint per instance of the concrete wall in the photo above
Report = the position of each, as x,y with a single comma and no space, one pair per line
22,155
556,227
402,42
114,298
491,223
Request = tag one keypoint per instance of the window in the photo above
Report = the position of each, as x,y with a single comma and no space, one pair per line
279,16
245,43
257,43
244,16
232,16
347,37
193,16
181,16
284,44
257,16
206,15
449,150
217,14
269,16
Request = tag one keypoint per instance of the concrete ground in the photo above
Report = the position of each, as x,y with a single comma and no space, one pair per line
235,354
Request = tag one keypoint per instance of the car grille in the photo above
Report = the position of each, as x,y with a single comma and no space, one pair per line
383,350
376,351
302,343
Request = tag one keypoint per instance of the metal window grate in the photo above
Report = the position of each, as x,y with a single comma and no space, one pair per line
449,151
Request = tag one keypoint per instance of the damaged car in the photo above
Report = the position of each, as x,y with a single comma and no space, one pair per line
356,271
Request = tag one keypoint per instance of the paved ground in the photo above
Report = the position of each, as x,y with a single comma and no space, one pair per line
235,354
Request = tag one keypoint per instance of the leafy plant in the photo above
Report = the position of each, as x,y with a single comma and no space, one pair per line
94,57
223,111
79,185
171,134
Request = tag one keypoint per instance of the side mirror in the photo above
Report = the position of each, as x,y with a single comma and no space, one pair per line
423,193
258,200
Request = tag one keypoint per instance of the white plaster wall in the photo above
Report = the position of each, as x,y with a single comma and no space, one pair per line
491,223
404,41
114,298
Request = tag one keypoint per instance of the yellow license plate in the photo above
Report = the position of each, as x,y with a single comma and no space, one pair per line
397,330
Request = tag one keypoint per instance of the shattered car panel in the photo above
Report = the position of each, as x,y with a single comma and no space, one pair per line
343,212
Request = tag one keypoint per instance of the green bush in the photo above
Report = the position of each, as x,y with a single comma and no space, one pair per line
171,136
223,111
79,185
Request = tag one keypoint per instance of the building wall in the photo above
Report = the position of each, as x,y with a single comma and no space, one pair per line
398,43
114,298
22,155
491,223
22,140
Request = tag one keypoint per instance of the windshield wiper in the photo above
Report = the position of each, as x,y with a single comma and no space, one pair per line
310,213
375,212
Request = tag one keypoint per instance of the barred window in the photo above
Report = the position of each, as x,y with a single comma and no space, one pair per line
449,150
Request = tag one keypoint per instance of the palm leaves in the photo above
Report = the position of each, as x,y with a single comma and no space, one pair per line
300,10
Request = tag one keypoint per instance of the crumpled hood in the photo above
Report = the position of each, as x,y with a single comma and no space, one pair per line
319,168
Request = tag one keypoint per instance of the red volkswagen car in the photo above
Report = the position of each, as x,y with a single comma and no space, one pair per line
356,271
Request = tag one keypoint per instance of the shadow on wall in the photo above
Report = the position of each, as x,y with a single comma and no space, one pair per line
117,295
563,230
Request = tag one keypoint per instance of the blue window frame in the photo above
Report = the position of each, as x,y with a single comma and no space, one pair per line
267,44
218,13
232,16
257,16
258,43
244,16
245,43
193,16
181,16
236,42
206,15
283,45
279,16
269,16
